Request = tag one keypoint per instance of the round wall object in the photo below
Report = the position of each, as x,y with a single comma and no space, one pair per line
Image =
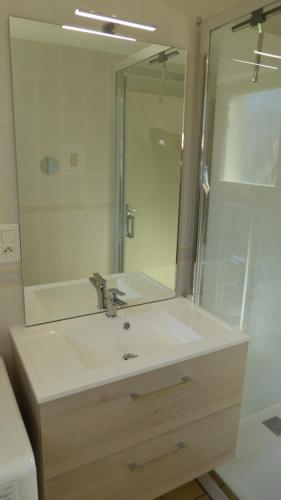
49,165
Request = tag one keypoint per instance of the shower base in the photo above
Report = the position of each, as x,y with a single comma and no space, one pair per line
255,473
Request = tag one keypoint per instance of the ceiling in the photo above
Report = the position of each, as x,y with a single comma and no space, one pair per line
26,29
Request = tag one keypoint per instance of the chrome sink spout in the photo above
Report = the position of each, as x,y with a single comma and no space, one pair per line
101,287
113,302
109,301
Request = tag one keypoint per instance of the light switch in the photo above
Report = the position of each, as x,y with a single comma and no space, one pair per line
8,236
73,160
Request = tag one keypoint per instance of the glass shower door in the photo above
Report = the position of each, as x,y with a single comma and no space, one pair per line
241,239
153,97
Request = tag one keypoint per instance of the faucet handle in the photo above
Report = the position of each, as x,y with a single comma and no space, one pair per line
113,297
115,291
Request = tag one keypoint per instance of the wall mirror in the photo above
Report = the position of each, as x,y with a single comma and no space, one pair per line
98,127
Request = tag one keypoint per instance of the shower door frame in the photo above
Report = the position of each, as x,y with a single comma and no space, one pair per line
200,224
207,27
119,149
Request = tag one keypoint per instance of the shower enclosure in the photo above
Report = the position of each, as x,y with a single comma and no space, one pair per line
149,111
239,244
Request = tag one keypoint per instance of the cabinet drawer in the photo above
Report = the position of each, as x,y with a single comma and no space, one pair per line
152,468
95,424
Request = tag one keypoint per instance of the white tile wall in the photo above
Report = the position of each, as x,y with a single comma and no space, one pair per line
63,108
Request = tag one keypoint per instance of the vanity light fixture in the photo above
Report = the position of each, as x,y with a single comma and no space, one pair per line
267,54
113,19
255,64
102,33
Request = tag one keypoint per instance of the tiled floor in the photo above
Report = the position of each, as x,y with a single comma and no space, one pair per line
194,491
255,472
190,491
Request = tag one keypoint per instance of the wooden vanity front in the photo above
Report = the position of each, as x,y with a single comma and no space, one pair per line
140,437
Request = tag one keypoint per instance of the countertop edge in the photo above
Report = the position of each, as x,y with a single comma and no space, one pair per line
86,387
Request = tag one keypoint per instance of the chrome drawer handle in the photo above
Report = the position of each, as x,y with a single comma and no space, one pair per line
133,466
136,397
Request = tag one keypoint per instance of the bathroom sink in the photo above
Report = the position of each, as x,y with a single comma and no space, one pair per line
66,357
124,339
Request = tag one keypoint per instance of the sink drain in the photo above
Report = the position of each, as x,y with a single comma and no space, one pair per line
129,355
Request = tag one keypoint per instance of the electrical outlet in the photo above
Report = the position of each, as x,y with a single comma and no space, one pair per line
9,251
9,243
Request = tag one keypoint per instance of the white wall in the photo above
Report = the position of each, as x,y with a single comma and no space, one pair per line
63,106
176,21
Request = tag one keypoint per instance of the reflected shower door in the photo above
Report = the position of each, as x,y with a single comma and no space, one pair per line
241,240
153,120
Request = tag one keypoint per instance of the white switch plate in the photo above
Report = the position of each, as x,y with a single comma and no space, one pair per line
9,243
74,159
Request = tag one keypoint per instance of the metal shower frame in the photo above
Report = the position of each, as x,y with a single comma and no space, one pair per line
242,15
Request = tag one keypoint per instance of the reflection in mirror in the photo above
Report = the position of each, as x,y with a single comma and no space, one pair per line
49,165
98,126
151,100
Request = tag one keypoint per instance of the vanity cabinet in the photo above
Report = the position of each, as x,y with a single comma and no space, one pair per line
140,437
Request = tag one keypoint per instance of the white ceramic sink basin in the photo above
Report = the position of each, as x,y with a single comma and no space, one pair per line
123,339
65,357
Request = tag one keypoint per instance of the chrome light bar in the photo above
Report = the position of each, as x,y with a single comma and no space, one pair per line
113,19
101,33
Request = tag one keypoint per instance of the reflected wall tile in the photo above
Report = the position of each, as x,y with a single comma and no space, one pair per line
24,89
98,99
24,57
99,151
48,127
48,60
99,227
6,116
50,247
97,266
73,128
8,190
73,97
73,63
48,92
25,121
97,185
50,188
28,188
88,188
26,144
65,231
98,66
74,189
74,244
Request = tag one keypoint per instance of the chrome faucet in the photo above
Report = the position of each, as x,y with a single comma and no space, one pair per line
113,302
107,300
101,287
